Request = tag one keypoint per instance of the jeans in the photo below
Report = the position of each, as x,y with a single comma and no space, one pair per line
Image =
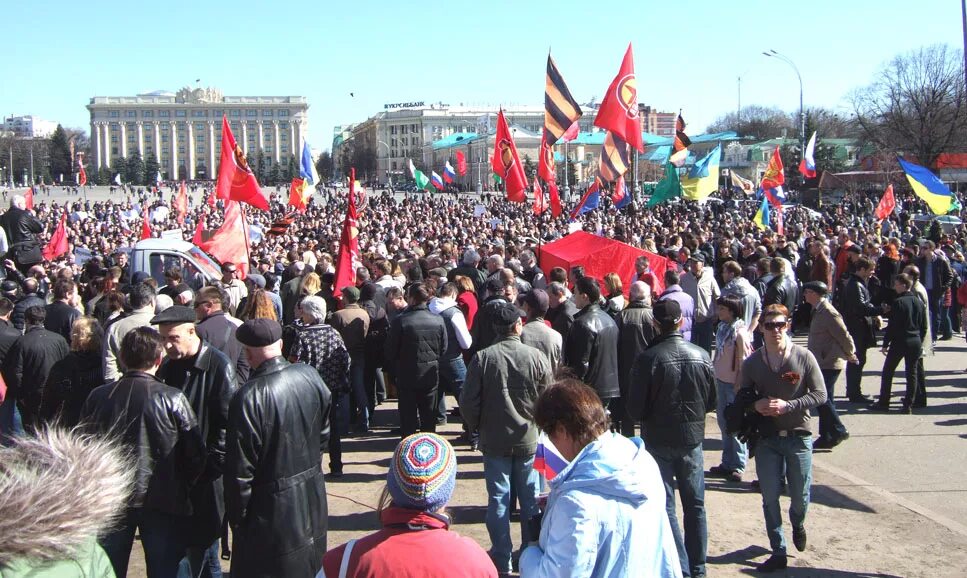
505,475
621,421
790,457
418,410
162,537
201,562
909,352
830,426
338,427
11,425
702,334
734,453
452,375
686,466
357,384
935,308
854,372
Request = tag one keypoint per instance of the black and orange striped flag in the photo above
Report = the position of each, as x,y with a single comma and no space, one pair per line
282,225
560,108
614,158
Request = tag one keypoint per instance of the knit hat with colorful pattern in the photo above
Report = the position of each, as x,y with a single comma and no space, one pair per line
423,472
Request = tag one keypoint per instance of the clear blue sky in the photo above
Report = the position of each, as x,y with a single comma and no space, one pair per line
687,54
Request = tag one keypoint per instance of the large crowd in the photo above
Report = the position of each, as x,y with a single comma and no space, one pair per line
220,400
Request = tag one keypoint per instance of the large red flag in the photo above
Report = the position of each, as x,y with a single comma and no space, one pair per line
181,203
461,164
145,225
886,205
619,107
198,238
29,198
299,194
774,177
556,208
58,241
229,244
506,163
236,181
540,203
546,167
348,258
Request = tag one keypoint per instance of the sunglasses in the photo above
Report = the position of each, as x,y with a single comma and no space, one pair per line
773,325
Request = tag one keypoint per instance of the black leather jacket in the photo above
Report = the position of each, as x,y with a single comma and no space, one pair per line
156,423
636,332
275,493
672,388
591,350
782,290
417,340
20,226
858,311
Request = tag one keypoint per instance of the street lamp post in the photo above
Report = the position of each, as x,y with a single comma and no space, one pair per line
802,111
388,181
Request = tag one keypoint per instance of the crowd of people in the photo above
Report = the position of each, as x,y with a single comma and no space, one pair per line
225,397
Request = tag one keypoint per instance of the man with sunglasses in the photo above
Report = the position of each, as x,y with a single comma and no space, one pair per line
789,382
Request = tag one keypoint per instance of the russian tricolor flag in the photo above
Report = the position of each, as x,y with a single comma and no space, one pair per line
436,181
807,166
548,461
448,173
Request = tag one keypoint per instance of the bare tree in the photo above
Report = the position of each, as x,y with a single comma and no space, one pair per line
915,104
759,122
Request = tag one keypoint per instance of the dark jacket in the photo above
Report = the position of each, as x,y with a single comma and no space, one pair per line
857,310
218,329
591,351
27,367
475,275
60,318
908,321
943,275
782,290
70,381
483,333
635,333
8,336
672,388
562,317
156,424
20,308
417,340
22,229
275,493
208,381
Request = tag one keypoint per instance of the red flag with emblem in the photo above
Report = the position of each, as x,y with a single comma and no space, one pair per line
619,107
461,164
556,208
886,205
505,162
58,241
298,196
236,181
540,203
546,168
774,177
348,243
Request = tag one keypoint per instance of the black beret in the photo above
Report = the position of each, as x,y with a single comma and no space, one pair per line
504,314
259,332
816,286
174,314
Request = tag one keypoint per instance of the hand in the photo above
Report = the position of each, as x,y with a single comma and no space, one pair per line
853,359
8,264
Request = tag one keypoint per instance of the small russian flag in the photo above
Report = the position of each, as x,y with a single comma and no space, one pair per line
436,181
548,461
448,174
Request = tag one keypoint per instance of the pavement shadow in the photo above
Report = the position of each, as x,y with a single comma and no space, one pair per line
467,514
808,572
741,557
358,522
832,498
954,422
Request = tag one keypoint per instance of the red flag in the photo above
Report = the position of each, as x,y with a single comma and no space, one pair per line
81,176
297,194
145,225
211,198
774,177
181,203
619,190
229,243
348,258
29,198
540,203
461,164
58,241
198,239
619,108
506,163
546,168
571,133
236,181
887,204
556,208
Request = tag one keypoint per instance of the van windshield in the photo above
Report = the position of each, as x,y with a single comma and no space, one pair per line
208,265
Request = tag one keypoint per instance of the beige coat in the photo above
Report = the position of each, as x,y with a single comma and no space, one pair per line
828,339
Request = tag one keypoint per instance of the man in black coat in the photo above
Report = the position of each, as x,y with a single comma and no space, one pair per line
936,276
207,378
61,314
483,333
157,426
30,298
636,330
28,364
904,340
8,333
591,345
562,310
275,493
782,289
22,228
858,312
416,342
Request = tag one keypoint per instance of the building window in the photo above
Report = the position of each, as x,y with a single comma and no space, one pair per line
234,113
199,113
114,138
114,150
164,113
267,113
392,129
131,113
114,114
148,113
403,129
283,113
181,113
251,113
164,138
393,164
413,128
181,150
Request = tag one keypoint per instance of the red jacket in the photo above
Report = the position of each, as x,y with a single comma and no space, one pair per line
467,301
412,544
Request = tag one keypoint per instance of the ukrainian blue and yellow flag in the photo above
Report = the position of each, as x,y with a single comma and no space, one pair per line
703,178
761,218
928,187
307,168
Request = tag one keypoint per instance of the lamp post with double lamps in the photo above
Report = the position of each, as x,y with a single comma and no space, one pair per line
802,111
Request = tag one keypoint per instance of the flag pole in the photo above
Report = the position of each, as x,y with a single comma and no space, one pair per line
245,231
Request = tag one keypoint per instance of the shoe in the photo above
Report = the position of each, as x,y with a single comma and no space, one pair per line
719,472
906,409
799,538
946,337
838,440
474,446
734,476
878,406
775,562
823,443
860,399
441,422
919,404
336,473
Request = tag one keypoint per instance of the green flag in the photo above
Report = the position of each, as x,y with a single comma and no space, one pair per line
422,181
668,188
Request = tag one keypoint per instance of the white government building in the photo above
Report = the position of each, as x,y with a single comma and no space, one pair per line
183,130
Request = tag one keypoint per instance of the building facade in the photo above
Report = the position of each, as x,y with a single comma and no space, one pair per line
29,126
183,130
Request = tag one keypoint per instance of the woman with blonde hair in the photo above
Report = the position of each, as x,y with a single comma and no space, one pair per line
311,284
72,378
615,299
258,306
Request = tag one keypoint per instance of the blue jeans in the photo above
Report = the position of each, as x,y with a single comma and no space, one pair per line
338,427
503,475
686,466
162,537
702,334
734,453
452,375
830,426
774,456
357,384
11,425
201,562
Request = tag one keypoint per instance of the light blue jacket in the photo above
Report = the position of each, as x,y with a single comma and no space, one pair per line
605,517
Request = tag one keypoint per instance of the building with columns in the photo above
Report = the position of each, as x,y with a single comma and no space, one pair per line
183,130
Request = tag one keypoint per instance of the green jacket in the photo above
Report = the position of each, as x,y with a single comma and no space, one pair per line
90,562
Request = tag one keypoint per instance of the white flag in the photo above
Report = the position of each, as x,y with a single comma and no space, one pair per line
117,178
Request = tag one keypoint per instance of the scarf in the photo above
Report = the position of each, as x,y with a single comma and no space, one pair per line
726,333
